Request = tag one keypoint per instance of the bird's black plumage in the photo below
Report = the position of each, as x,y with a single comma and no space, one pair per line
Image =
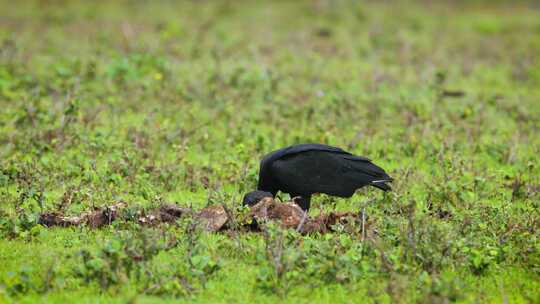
302,170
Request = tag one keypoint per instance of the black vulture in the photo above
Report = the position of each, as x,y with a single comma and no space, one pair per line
305,169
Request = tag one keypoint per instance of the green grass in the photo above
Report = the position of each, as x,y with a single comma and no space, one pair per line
158,101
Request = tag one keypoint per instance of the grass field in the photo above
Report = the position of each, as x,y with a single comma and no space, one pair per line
149,102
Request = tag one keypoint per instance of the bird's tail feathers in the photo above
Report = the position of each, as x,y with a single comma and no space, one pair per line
368,167
382,184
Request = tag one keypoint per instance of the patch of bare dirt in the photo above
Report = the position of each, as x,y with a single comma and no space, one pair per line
94,219
214,218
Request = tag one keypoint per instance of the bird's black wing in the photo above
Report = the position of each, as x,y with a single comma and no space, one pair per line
267,181
295,149
379,178
330,171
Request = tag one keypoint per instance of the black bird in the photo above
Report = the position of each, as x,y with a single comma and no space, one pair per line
302,170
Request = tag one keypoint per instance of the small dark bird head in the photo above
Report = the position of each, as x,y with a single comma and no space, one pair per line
254,197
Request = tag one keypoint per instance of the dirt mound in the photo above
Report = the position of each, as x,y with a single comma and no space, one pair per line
214,218
168,213
94,219
288,213
292,216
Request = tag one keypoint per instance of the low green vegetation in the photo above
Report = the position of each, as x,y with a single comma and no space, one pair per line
152,102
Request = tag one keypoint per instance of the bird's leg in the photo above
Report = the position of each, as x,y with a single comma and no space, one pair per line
303,201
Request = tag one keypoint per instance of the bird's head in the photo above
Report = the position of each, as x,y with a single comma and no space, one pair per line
254,197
